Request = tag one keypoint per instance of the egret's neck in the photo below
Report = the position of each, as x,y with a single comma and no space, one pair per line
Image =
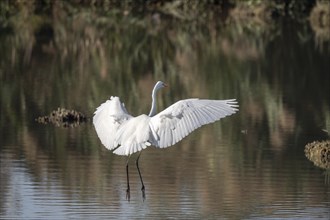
153,104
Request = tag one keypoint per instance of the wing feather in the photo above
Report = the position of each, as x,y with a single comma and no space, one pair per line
107,120
180,119
133,136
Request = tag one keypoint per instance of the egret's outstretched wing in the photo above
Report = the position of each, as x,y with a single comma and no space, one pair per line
180,119
107,120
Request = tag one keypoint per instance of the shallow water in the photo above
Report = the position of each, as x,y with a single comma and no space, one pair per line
248,166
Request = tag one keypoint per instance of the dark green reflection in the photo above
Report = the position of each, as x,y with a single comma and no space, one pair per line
76,58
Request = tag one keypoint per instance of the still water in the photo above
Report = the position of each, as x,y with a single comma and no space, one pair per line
250,165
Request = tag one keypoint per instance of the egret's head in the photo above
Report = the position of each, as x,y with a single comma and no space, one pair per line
160,85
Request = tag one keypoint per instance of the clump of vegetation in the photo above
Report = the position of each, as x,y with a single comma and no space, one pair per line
319,153
320,21
63,118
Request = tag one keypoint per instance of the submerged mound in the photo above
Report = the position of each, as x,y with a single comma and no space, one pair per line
63,118
319,153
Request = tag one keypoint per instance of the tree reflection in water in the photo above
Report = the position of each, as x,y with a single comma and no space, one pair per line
78,58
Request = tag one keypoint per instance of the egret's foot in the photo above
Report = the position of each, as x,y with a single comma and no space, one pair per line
143,193
128,194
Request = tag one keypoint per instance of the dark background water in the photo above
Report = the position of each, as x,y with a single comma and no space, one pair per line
250,165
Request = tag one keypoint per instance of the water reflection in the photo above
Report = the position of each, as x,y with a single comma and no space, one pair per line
78,60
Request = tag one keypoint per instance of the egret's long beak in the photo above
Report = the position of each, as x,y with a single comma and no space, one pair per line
165,85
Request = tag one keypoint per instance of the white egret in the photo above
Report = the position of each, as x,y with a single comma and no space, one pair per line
125,134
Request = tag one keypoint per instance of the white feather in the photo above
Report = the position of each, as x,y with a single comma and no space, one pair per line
185,116
117,129
108,118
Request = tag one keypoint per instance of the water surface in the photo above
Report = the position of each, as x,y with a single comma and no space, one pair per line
248,166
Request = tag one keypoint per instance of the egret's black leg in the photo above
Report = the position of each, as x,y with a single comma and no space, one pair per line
137,165
128,194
